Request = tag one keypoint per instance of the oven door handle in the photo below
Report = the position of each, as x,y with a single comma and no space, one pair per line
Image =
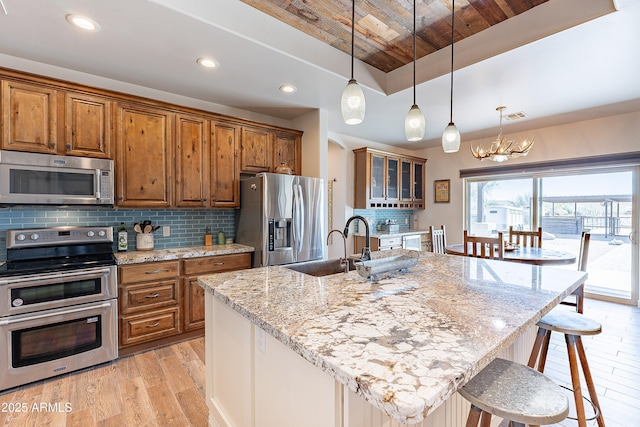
42,277
10,321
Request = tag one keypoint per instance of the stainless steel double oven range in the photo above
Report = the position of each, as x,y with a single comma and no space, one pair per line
58,302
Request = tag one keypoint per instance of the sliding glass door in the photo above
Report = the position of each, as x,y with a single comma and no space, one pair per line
602,202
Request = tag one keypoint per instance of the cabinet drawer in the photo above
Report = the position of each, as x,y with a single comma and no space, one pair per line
146,296
149,271
214,264
138,328
391,241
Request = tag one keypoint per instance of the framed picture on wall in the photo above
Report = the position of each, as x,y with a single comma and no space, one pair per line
441,190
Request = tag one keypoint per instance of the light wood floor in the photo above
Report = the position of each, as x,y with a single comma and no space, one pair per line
161,387
165,387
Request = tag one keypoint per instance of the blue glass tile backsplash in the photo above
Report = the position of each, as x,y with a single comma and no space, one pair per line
187,226
377,217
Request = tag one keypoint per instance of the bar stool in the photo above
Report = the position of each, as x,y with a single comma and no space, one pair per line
573,325
516,393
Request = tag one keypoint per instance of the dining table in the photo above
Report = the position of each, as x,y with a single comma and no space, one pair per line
526,254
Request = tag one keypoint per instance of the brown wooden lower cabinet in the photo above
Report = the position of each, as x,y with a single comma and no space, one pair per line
194,294
194,304
149,326
161,302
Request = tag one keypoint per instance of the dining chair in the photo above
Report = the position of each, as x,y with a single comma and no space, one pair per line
532,239
438,239
484,247
583,257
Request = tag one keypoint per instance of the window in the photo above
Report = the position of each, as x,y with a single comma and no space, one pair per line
601,201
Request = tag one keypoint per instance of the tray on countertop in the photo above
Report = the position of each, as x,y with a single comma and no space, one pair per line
372,269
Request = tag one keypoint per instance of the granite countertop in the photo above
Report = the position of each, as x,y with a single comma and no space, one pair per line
407,342
383,233
136,257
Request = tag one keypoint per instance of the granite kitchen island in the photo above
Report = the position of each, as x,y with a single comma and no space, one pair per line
288,349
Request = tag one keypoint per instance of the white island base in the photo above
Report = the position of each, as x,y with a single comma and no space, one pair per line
253,380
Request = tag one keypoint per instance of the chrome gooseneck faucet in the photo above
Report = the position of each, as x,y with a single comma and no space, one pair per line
366,252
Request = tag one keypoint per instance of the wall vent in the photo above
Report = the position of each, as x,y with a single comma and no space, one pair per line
516,116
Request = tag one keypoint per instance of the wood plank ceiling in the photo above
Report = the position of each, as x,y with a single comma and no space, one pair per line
384,28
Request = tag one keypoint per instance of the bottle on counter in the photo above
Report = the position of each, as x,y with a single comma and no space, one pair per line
123,238
221,238
208,238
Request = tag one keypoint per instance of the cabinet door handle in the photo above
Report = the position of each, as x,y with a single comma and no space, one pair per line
153,326
218,263
68,146
152,296
152,272
52,145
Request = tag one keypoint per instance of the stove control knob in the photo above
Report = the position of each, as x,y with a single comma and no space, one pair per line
101,233
21,237
34,236
90,233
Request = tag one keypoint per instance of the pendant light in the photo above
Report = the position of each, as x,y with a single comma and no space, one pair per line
414,124
451,134
352,102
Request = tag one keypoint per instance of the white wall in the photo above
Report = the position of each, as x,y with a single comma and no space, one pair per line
607,135
314,142
337,169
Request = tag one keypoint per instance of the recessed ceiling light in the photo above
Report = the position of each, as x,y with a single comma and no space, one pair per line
83,22
208,62
288,88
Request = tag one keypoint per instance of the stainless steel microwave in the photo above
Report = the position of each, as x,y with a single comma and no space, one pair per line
44,179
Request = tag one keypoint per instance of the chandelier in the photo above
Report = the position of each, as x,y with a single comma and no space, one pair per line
502,149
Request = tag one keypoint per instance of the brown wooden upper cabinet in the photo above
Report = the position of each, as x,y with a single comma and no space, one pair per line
192,161
263,149
206,162
87,125
286,149
30,118
225,185
388,180
165,155
143,157
255,149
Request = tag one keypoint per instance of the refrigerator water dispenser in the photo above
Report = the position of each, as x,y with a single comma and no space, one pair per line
279,233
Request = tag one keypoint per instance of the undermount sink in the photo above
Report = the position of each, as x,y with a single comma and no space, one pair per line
323,267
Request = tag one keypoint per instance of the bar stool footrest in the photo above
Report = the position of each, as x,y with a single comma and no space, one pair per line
596,411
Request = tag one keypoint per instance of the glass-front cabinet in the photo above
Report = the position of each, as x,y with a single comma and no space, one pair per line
406,178
412,181
384,178
393,178
418,182
388,180
377,177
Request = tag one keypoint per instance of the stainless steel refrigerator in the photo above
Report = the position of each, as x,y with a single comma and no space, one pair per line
282,217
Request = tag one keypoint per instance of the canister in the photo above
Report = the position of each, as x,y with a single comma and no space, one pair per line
144,241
